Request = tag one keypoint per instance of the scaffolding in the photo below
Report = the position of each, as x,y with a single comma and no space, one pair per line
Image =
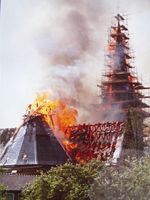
120,84
121,90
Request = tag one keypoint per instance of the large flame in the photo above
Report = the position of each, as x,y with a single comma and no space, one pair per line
56,113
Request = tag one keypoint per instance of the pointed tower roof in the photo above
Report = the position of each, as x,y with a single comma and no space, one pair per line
34,144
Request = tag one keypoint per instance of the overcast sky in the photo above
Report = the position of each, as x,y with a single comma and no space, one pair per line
38,35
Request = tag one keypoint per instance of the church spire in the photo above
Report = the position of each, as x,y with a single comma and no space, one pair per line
120,87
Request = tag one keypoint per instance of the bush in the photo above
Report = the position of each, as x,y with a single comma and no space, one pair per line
81,182
2,189
66,182
2,192
129,183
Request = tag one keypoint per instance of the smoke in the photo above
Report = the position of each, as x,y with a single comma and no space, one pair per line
78,23
73,46
58,45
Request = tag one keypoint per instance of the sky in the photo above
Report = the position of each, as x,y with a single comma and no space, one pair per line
59,45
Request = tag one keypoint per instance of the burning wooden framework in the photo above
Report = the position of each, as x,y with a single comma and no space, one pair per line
120,88
94,140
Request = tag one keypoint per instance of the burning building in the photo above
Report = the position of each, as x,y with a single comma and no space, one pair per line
50,134
121,103
120,88
33,147
39,143
121,91
52,127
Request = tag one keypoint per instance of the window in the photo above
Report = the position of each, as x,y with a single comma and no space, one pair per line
10,196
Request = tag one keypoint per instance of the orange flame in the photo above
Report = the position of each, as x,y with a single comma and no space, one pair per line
57,114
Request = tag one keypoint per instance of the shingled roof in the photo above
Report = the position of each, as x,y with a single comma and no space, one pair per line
34,144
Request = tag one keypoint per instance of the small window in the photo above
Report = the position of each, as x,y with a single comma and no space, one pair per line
10,196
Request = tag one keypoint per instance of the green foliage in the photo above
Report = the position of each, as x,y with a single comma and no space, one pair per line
2,192
147,133
1,170
66,182
2,189
77,181
134,129
129,183
135,121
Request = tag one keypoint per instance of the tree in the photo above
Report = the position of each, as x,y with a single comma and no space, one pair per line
133,138
147,133
2,189
65,182
2,192
130,183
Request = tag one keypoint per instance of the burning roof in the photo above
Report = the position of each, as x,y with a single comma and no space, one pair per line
97,141
49,136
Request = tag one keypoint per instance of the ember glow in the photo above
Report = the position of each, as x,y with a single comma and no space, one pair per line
95,140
